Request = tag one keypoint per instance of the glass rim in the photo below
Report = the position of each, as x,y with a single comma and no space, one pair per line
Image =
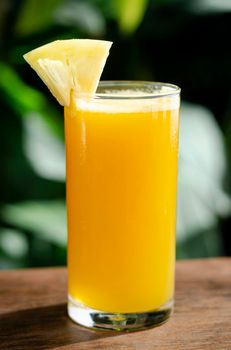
170,90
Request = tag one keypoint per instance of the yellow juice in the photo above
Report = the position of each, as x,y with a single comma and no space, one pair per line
121,167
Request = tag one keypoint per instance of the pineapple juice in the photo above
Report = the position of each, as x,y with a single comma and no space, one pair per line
121,166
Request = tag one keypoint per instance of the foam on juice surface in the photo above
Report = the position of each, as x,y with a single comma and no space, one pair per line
128,101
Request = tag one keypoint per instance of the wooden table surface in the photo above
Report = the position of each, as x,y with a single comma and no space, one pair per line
33,313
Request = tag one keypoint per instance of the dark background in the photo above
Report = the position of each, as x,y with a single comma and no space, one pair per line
185,42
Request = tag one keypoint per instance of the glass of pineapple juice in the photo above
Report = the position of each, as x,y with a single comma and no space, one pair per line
121,167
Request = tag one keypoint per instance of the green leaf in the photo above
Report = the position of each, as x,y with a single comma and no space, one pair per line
23,98
82,15
44,151
13,243
203,244
26,100
44,219
43,126
201,196
35,16
130,14
210,6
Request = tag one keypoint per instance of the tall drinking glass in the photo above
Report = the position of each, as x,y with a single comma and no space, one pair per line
121,166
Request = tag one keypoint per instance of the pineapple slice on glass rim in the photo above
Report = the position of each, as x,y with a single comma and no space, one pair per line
66,65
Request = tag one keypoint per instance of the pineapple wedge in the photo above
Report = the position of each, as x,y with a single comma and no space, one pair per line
66,65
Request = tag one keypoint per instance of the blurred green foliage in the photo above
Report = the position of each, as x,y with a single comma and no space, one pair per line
180,41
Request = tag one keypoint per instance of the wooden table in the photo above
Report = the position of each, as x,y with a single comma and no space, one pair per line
33,313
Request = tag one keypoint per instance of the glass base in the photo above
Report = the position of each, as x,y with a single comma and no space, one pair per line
96,319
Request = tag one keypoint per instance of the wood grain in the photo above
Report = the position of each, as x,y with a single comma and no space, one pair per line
33,313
